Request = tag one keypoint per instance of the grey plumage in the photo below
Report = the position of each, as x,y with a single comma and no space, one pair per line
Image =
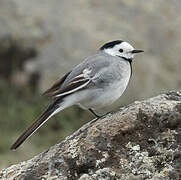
96,82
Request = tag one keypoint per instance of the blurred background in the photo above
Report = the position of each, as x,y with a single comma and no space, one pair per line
40,40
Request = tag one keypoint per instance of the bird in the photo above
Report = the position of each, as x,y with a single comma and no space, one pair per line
93,84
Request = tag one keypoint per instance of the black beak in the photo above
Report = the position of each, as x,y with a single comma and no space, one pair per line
137,51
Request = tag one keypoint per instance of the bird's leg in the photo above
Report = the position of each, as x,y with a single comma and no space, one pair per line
93,112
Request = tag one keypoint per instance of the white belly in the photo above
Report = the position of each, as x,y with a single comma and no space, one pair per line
103,97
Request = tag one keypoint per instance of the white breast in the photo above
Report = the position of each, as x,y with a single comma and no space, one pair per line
103,97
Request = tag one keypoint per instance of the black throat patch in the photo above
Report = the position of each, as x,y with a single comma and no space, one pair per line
130,62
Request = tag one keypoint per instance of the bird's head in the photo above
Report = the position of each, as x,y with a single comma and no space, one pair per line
121,49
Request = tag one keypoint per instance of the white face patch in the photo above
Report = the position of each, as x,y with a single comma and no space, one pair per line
116,50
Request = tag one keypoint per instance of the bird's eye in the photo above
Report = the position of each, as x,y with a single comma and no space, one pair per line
121,50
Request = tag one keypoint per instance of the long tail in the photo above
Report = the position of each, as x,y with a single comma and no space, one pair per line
52,109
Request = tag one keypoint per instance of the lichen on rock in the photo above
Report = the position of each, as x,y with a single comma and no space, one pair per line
140,141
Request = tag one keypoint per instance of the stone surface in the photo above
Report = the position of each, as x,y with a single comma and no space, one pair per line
140,141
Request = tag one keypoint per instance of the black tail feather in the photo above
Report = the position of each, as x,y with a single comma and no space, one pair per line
36,124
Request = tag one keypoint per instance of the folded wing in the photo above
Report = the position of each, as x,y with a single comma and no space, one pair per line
77,83
56,86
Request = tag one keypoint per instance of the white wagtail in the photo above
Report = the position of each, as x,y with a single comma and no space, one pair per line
96,82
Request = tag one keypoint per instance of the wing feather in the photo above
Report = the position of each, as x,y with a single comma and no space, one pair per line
72,87
78,82
56,86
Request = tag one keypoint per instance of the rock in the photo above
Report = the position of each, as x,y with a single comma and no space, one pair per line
140,141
